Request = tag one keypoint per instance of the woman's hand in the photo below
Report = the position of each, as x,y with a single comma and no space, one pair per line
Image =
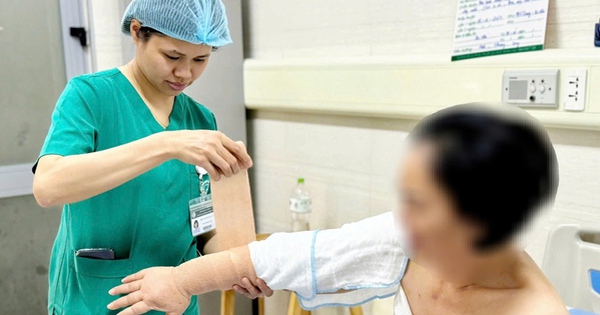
152,289
211,150
253,290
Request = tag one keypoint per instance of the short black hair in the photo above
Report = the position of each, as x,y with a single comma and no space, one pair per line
498,166
145,32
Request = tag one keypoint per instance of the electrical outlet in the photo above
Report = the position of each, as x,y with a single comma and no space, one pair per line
574,89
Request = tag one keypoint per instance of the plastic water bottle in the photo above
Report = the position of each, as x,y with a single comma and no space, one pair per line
300,207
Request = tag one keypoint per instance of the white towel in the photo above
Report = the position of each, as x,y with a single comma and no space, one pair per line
365,258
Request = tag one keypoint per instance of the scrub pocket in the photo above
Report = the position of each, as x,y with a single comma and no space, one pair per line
103,268
92,278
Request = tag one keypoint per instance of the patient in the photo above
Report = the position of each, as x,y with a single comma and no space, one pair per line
472,177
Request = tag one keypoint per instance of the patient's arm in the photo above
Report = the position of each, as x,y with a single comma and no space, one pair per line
219,271
362,255
169,289
358,262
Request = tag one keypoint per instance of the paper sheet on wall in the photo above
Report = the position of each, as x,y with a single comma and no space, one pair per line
493,27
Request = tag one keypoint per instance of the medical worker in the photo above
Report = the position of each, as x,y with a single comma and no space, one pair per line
121,155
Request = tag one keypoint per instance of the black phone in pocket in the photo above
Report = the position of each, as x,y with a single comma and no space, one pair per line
96,253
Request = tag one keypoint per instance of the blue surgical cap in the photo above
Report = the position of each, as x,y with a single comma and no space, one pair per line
193,21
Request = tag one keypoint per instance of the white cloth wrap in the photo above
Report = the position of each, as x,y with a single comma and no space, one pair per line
364,258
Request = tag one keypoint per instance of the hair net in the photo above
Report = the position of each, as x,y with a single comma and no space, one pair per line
193,21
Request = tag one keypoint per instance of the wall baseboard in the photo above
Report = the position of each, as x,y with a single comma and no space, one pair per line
16,180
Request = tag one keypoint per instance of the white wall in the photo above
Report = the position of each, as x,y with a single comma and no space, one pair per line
348,162
287,145
315,28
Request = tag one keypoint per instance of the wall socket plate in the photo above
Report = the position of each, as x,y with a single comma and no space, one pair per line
530,88
574,85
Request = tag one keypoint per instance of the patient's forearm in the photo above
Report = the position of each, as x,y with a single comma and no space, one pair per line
218,271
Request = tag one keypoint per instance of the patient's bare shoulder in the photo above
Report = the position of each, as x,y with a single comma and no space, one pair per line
540,305
538,296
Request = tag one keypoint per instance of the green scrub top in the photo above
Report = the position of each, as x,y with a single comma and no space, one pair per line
145,220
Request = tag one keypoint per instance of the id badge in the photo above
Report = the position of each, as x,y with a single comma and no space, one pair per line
202,216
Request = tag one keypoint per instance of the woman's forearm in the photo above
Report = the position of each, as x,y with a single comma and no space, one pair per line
218,271
59,180
68,179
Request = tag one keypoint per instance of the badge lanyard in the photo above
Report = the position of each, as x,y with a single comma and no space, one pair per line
202,217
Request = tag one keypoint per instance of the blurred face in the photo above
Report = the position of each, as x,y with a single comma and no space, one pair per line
438,237
169,65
